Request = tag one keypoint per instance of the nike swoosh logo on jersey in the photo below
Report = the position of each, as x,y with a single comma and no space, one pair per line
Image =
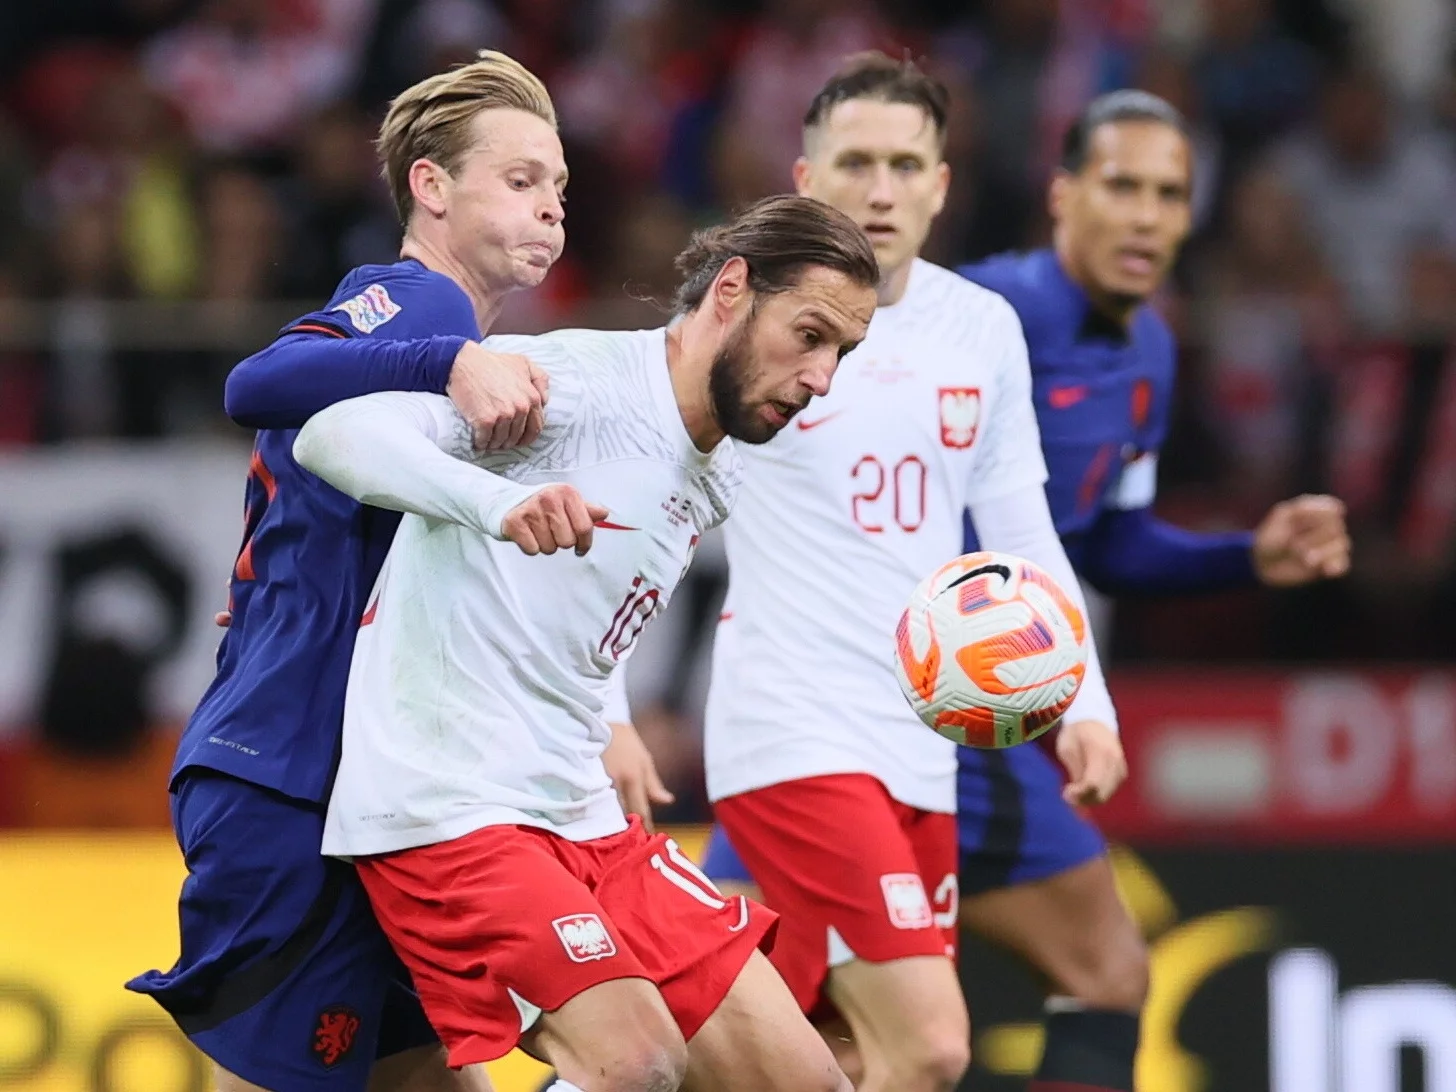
608,525
805,426
1065,397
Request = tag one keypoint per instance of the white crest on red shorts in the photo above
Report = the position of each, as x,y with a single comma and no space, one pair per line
905,900
584,937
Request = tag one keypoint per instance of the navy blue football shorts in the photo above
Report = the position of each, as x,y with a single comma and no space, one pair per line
285,978
1012,824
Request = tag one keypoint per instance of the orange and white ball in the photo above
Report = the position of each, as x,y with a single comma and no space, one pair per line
990,650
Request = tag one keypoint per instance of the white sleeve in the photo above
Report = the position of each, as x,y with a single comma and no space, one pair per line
615,707
406,452
1021,523
1009,458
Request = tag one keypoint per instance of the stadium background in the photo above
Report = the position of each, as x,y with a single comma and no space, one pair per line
177,177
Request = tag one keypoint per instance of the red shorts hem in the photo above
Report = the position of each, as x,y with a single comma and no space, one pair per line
839,852
508,920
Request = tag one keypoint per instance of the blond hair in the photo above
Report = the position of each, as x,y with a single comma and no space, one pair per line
431,120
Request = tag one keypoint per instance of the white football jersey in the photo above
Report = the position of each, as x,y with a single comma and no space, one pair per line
478,680
839,518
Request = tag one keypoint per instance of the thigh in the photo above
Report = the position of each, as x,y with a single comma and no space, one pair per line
495,929
835,858
692,939
1014,825
757,1040
284,973
1072,929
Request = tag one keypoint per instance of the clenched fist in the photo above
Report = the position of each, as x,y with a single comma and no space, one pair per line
1302,540
552,519
502,395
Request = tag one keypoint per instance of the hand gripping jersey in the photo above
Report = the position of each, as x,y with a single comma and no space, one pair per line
840,517
477,687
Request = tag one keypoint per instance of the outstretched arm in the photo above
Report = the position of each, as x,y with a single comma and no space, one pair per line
285,384
1133,552
406,452
502,395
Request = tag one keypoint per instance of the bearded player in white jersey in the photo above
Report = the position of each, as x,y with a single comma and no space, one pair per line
471,793
840,802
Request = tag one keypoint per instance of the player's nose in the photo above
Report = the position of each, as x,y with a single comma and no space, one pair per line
552,211
882,188
817,377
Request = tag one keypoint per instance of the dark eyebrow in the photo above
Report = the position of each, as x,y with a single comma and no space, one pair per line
813,312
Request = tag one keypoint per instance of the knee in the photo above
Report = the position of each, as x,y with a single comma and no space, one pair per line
931,1062
648,1067
944,1059
1115,977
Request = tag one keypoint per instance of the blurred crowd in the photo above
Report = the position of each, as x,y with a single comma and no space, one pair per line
156,154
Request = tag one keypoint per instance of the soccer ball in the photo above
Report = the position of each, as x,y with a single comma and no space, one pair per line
991,650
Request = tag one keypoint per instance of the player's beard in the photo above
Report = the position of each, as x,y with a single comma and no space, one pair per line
728,381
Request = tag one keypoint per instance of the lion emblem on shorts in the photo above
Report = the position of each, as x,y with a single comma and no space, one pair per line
333,1034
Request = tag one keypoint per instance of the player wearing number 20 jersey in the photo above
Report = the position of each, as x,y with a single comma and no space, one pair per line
839,801
808,737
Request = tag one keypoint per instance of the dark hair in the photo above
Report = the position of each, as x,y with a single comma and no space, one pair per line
1109,109
779,237
875,75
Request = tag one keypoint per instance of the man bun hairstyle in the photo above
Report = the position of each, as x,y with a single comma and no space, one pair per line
779,238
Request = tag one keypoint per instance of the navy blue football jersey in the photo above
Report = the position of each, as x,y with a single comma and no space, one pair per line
1102,393
309,558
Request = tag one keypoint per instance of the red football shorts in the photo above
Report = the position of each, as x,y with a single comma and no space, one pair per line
854,873
509,921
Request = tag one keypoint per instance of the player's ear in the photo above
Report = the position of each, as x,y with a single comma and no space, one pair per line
427,181
1059,193
730,288
942,186
801,176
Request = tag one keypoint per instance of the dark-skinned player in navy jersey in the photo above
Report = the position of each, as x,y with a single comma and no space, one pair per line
284,979
1034,873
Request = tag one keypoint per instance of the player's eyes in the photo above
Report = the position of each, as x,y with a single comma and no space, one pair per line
812,338
519,183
